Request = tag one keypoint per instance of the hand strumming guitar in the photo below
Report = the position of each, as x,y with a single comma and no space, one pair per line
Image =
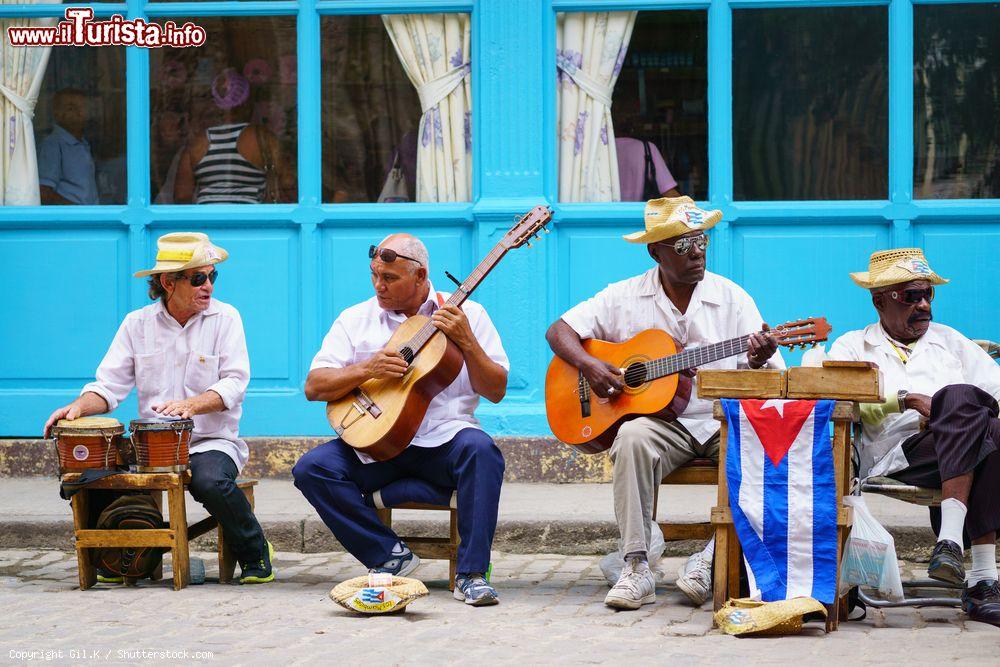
605,379
386,364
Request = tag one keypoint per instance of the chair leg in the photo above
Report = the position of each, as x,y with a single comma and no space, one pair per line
454,539
719,591
178,523
735,556
84,564
157,574
227,563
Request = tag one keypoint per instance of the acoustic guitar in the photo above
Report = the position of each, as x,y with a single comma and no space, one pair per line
653,366
381,416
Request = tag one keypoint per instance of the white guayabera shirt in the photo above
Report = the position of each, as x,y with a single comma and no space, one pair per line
167,362
719,310
364,329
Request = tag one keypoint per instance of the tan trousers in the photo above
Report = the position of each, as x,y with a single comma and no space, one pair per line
645,451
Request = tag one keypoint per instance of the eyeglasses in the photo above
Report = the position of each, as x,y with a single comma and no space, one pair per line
388,255
912,296
199,279
683,246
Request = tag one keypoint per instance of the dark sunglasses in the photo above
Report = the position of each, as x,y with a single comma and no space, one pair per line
199,279
683,246
912,296
388,255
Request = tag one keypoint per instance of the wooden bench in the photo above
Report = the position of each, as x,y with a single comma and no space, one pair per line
695,471
175,537
444,548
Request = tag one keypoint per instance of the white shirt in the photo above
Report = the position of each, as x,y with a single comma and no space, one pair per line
364,329
719,310
941,357
167,362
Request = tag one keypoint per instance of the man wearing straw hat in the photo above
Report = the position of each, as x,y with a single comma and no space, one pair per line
186,355
696,307
933,371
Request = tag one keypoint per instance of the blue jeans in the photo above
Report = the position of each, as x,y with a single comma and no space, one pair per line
333,480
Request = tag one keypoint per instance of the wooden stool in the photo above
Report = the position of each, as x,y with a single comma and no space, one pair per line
430,547
175,537
227,563
695,471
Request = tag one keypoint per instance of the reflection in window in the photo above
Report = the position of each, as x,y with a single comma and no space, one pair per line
224,115
80,127
810,103
378,75
956,108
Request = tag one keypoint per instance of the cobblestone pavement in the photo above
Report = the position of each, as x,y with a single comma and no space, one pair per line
551,610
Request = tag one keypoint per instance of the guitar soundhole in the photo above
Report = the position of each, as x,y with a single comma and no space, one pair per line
635,375
407,354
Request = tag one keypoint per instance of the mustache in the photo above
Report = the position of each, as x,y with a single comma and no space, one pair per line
920,318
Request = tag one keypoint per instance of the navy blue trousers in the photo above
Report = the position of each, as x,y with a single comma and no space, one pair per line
334,481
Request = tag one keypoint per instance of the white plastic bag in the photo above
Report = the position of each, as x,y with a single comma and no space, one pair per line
870,555
612,564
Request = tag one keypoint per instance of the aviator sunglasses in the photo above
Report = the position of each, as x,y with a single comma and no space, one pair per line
683,246
199,279
388,255
912,296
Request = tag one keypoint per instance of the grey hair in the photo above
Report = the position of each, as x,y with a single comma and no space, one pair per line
156,290
413,247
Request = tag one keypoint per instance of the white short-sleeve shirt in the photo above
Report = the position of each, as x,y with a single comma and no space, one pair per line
167,362
364,329
719,310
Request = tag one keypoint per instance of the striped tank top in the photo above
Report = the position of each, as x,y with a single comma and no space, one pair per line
223,175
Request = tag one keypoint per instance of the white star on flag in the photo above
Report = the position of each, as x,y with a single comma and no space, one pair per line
777,404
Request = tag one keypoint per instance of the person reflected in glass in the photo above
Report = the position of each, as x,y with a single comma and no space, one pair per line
66,172
642,171
230,163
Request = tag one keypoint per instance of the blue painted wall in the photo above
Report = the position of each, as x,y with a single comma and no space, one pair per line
66,272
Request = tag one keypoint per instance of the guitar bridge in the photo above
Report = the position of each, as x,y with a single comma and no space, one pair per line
361,406
583,391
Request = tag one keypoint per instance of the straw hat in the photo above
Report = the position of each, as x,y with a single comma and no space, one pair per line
359,595
184,250
753,618
668,217
899,265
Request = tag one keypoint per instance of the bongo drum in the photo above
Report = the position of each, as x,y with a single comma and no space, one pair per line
161,444
87,443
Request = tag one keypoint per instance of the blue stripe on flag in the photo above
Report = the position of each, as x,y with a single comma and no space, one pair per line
776,523
824,508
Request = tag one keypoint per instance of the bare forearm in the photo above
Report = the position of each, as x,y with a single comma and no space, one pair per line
566,344
90,403
207,403
488,378
329,384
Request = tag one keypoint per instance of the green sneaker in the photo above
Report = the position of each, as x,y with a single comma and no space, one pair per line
259,572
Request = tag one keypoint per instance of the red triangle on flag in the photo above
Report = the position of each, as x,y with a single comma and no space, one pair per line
778,424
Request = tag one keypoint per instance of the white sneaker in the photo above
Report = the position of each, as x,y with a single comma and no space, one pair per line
694,579
635,586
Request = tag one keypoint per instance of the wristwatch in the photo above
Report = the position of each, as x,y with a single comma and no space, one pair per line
901,397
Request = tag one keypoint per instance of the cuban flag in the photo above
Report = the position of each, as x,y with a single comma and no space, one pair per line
783,496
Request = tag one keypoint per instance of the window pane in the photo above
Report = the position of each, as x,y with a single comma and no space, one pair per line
956,103
80,127
810,103
652,66
224,114
376,147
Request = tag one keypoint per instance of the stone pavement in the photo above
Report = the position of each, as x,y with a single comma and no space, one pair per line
551,611
534,518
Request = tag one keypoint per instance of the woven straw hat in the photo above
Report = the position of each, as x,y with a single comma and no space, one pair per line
357,595
899,265
178,251
668,217
753,618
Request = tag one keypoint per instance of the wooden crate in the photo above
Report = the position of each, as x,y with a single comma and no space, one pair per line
762,383
859,381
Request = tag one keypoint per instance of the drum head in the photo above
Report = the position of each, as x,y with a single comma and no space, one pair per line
161,424
88,426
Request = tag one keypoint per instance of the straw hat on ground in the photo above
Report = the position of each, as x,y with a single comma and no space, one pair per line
359,595
178,251
754,618
668,217
892,267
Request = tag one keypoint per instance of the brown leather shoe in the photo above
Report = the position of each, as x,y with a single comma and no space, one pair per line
982,602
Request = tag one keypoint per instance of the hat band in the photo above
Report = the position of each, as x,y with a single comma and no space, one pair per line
174,255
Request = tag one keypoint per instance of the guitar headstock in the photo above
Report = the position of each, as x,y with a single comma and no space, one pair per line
802,333
526,226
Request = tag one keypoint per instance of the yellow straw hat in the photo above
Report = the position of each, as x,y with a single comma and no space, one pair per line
178,251
892,267
365,596
668,217
753,618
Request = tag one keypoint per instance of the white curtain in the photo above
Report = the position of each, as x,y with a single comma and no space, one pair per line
21,72
590,49
434,51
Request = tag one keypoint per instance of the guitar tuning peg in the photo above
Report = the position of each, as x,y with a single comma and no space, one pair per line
547,230
529,244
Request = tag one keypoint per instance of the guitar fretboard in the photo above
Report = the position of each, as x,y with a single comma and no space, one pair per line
675,363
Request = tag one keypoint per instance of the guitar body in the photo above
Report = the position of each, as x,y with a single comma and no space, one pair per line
384,428
664,398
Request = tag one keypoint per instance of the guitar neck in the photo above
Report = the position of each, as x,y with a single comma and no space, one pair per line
460,294
698,356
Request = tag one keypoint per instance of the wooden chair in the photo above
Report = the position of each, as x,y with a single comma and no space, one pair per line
175,537
445,548
695,471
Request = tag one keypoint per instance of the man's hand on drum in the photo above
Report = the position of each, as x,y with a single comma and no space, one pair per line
605,379
184,409
71,411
